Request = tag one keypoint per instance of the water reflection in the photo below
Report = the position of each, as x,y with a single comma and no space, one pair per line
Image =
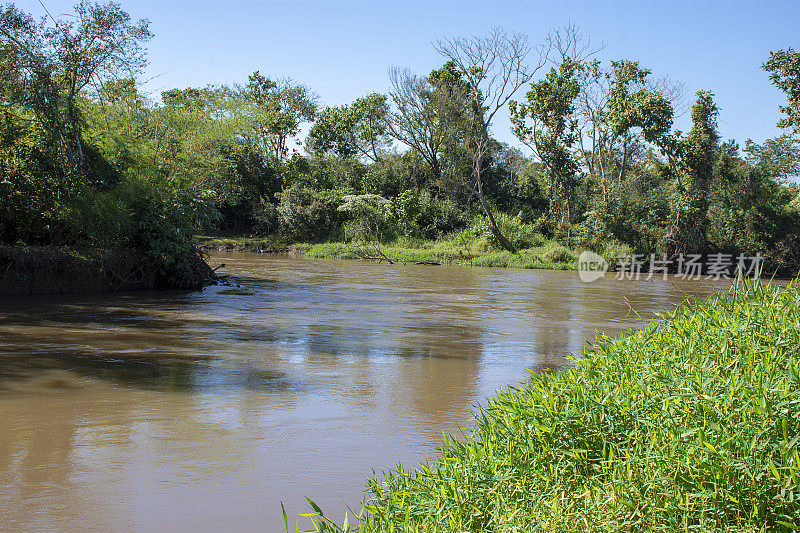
152,373
202,411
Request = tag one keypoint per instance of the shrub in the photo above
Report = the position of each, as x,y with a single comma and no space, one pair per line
557,253
368,213
591,233
306,214
404,212
160,226
265,215
519,234
439,217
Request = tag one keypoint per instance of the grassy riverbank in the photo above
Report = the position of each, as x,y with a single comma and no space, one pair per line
691,424
545,254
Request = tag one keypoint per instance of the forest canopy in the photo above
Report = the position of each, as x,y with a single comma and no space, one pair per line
89,159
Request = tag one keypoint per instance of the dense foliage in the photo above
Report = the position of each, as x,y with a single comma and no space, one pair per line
88,160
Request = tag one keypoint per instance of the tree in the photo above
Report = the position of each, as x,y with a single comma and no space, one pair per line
371,125
698,152
333,133
784,69
357,130
276,109
551,132
54,65
778,158
494,68
621,112
634,106
429,112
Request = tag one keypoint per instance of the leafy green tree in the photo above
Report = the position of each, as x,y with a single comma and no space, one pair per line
275,110
49,74
622,112
784,69
546,124
778,158
698,152
357,130
51,67
635,106
333,133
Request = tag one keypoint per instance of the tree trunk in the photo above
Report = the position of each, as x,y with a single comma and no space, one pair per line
505,243
624,161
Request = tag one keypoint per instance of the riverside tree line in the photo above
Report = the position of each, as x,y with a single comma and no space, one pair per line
87,159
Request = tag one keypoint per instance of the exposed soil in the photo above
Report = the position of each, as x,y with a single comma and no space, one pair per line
40,269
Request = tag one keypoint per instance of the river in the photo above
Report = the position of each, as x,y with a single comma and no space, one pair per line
203,411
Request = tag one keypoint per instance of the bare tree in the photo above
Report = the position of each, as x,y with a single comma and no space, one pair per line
495,68
426,115
415,122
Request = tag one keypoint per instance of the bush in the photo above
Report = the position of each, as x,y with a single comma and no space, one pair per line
689,424
439,217
305,214
421,215
519,234
404,213
591,233
160,226
265,215
557,253
368,213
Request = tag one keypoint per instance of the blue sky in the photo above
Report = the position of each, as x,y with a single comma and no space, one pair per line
343,50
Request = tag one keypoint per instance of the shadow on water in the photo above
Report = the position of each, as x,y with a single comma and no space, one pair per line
71,314
147,373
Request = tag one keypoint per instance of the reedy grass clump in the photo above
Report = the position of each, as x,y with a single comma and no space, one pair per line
690,424
455,250
550,255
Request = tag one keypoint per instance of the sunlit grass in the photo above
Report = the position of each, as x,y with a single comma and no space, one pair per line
550,255
690,424
475,252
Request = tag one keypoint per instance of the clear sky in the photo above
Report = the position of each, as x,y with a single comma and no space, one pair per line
343,50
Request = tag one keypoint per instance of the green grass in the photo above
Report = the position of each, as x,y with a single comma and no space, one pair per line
457,250
550,255
242,243
690,424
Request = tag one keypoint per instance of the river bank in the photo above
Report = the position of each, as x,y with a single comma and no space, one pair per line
51,269
687,424
544,255
549,255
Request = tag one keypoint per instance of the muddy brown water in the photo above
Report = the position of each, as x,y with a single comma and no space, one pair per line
203,411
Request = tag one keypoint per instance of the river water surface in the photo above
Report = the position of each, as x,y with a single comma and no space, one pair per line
203,411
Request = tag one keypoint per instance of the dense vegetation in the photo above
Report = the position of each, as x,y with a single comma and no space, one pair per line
88,160
690,424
